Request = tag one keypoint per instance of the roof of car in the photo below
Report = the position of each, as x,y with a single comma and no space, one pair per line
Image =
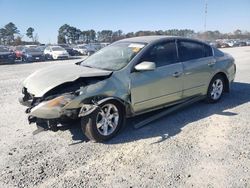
149,39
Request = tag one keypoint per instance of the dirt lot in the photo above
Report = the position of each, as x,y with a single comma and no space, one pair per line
201,146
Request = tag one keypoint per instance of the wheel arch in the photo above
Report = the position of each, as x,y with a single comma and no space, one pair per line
121,102
226,81
93,101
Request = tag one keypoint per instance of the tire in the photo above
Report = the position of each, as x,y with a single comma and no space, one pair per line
215,89
99,129
24,59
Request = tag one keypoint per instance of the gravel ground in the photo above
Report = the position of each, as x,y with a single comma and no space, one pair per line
200,146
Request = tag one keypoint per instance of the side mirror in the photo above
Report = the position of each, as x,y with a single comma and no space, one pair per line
145,66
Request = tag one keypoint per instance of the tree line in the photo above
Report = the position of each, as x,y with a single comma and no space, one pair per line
10,35
71,35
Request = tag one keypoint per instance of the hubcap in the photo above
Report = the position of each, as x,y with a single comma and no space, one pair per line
217,89
107,119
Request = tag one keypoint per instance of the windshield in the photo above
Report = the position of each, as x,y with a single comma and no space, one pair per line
114,57
57,48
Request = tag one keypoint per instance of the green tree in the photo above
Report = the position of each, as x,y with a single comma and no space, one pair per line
3,36
29,33
8,33
62,32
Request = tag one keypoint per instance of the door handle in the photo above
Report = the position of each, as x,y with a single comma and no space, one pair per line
176,74
210,64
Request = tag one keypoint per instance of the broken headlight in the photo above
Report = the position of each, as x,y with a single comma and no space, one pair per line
59,101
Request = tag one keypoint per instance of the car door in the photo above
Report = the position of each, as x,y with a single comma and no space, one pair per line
198,61
150,89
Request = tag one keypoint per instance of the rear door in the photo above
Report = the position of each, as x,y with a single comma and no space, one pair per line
197,59
163,85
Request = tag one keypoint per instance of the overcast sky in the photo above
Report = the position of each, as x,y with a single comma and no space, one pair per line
46,16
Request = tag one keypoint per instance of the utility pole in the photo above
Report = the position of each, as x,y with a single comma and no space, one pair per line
205,20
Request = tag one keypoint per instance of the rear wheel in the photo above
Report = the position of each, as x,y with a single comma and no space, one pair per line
104,123
215,89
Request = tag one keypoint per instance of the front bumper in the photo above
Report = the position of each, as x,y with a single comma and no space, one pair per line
35,58
60,56
41,109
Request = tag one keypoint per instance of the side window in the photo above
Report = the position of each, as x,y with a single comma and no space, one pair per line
208,51
190,50
218,53
162,54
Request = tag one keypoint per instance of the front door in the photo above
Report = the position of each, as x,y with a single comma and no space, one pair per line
150,89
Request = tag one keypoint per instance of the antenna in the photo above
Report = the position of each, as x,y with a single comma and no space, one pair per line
205,21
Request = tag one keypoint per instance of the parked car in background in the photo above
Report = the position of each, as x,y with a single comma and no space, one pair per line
85,49
80,48
89,50
125,79
248,42
96,46
55,52
42,48
224,45
31,46
6,55
242,43
69,49
18,51
215,44
104,44
32,54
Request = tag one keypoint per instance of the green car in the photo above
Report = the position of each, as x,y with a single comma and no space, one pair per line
127,78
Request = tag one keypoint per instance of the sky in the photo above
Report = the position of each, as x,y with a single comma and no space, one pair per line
46,16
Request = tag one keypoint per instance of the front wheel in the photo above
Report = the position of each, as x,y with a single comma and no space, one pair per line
215,89
104,123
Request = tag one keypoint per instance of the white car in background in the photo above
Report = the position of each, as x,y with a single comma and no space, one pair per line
80,48
55,52
85,49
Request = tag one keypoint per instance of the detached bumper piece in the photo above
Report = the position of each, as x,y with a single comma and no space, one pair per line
43,124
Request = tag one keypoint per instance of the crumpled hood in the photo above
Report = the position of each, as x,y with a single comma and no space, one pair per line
42,81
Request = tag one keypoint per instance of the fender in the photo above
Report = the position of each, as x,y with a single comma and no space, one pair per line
87,109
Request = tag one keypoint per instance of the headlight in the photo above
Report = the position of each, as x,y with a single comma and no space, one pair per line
59,101
51,109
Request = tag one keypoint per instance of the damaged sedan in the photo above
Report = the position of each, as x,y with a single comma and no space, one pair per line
127,78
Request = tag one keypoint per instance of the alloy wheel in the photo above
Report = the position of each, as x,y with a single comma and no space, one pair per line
107,119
